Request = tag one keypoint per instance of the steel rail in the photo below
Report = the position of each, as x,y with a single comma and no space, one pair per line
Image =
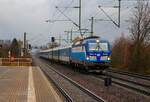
88,92
127,86
133,82
133,88
130,74
68,98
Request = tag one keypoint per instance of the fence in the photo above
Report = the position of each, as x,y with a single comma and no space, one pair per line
16,62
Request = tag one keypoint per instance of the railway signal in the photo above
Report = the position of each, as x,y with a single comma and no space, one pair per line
53,39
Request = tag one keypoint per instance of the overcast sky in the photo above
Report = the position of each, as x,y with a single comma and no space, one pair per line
19,16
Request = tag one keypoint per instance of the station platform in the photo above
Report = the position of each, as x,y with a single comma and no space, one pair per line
25,84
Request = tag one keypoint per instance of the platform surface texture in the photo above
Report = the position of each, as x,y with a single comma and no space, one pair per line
25,84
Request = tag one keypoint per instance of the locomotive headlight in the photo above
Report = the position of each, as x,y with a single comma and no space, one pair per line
87,58
97,41
109,58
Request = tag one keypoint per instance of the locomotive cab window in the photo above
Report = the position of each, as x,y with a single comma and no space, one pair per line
98,46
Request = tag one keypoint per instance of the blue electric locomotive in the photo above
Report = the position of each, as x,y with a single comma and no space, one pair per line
92,55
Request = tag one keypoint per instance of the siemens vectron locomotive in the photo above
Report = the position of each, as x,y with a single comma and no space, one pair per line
92,55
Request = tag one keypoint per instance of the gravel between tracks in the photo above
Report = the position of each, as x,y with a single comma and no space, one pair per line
110,94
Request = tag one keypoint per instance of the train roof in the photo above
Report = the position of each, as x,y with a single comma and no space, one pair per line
45,50
57,48
78,42
63,47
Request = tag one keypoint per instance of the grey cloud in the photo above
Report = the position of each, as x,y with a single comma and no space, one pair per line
19,16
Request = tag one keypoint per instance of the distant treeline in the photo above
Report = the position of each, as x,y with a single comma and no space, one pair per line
14,48
133,53
126,55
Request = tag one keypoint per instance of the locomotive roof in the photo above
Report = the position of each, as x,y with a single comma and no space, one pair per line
83,41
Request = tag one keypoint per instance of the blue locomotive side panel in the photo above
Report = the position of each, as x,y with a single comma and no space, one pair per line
78,53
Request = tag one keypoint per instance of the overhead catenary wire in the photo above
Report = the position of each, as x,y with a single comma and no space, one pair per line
63,10
55,14
97,13
67,17
87,24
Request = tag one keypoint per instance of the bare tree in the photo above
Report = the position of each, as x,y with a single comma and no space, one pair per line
15,49
140,27
140,31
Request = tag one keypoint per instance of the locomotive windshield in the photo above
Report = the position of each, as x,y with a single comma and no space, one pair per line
98,46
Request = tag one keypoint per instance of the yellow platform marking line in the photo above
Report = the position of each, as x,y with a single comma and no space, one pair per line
56,96
31,90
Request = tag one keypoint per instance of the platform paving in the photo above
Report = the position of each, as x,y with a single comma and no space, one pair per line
25,84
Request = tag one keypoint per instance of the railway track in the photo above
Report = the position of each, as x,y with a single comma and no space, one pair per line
128,85
132,85
65,94
68,98
130,74
129,81
135,86
120,94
